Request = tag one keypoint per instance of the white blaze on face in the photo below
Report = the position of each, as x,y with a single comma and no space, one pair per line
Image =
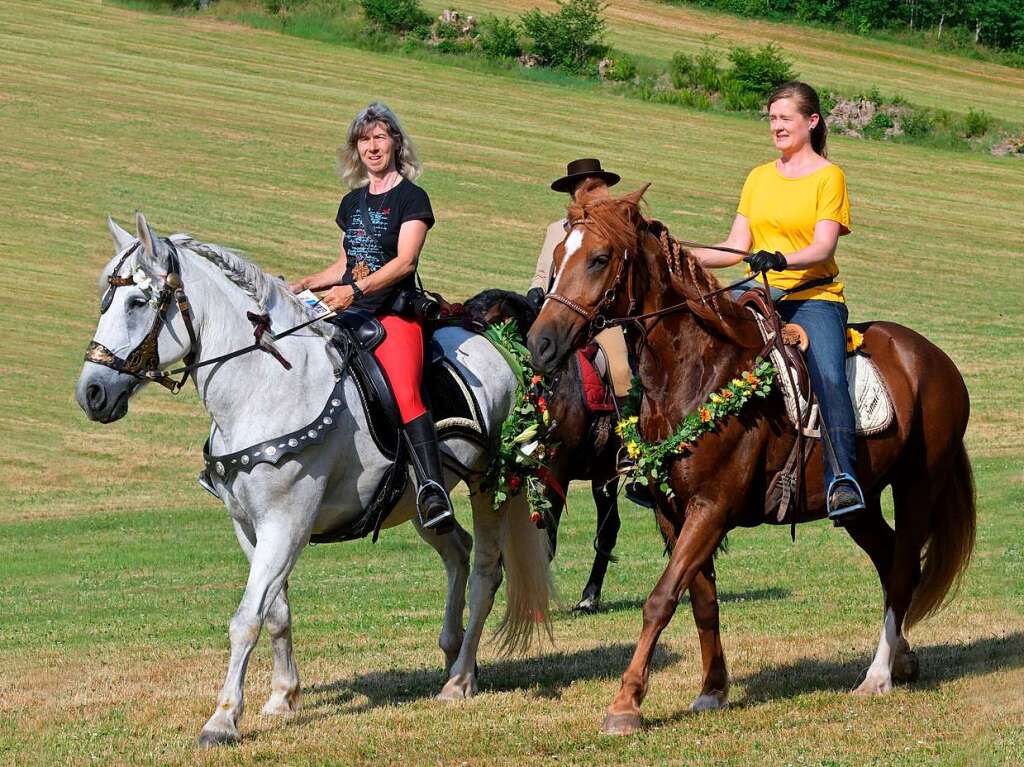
572,244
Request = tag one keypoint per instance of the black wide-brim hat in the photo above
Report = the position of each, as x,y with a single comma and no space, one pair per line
578,170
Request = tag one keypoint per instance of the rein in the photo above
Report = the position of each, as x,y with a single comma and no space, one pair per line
143,362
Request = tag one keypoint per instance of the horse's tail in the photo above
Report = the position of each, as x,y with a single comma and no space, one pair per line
951,541
525,556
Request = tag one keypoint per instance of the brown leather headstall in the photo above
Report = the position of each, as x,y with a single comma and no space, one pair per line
143,361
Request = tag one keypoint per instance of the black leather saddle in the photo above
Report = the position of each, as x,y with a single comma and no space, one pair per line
446,393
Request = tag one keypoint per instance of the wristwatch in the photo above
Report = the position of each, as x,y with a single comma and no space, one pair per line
357,292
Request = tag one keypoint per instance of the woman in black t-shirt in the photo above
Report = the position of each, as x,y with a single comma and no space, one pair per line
384,221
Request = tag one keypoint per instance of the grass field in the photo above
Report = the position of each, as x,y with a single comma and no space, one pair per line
118,575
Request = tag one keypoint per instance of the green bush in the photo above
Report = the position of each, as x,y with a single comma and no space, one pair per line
827,99
736,98
918,123
759,72
976,124
701,71
622,68
399,16
499,38
878,125
570,37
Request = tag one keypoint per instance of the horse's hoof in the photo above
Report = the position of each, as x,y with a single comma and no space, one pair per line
620,724
457,689
874,686
906,667
279,705
213,738
587,606
709,702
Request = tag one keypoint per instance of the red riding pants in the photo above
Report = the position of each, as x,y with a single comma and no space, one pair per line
401,356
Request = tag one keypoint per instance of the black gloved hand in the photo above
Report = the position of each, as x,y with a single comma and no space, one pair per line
763,261
536,297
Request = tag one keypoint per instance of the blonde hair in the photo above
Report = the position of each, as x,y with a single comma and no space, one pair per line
350,164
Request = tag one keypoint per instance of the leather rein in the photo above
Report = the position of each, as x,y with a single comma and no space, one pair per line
596,318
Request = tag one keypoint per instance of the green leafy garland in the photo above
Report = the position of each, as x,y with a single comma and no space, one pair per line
650,458
519,461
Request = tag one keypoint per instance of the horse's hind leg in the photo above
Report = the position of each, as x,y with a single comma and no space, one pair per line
277,547
714,693
608,524
898,563
454,550
484,580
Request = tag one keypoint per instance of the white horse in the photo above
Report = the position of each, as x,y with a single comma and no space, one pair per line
276,508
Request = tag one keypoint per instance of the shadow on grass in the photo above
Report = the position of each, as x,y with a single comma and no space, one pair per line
543,676
939,663
771,593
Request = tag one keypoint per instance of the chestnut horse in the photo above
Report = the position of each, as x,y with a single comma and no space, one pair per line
615,264
587,444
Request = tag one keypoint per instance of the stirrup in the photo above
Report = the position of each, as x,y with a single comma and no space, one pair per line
438,520
204,482
841,515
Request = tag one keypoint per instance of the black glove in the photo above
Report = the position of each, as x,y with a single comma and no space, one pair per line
536,297
763,261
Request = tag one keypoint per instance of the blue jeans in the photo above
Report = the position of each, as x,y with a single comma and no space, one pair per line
825,323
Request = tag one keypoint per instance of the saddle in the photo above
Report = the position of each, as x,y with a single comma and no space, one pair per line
786,345
451,401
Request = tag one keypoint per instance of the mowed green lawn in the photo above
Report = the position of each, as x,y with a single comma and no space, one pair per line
118,575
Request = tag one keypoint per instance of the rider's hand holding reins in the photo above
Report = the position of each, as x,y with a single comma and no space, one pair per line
764,260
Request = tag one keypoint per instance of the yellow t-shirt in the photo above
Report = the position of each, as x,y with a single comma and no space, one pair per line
782,213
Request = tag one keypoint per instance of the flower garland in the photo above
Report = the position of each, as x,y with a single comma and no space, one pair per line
650,458
519,461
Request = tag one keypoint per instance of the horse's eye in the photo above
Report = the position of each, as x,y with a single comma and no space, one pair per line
598,261
136,302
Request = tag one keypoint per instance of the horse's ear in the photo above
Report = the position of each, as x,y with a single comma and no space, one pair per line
635,197
122,239
153,255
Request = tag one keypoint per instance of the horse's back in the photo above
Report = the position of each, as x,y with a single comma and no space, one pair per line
483,368
925,384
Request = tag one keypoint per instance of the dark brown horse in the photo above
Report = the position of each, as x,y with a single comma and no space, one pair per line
619,264
587,445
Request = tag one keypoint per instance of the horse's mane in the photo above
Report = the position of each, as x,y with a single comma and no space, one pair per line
249,278
620,222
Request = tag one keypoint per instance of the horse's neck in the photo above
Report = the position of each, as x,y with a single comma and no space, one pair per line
252,395
687,354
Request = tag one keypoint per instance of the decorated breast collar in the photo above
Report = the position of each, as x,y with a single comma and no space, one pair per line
274,450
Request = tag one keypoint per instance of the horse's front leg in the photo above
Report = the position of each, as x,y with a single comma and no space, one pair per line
700,535
483,584
714,692
278,543
454,549
608,523
285,694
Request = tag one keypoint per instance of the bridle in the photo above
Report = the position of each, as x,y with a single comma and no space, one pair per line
595,317
143,362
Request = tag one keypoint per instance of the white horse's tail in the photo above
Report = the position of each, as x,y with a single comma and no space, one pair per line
525,555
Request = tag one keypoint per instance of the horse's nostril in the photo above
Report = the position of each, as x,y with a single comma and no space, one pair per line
543,345
95,396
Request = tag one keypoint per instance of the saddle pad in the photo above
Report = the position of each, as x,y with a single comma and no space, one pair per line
595,392
872,405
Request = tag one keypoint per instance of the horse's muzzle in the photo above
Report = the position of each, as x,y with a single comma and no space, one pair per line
102,394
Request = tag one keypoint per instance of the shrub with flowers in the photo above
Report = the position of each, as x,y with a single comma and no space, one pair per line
650,458
519,460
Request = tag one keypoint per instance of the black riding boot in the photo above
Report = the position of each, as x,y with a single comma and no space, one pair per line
432,502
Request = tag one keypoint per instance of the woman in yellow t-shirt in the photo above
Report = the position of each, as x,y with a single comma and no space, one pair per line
792,212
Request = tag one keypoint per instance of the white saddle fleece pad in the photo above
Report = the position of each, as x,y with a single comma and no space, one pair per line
872,405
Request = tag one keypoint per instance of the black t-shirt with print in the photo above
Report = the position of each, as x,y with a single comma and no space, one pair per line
366,254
